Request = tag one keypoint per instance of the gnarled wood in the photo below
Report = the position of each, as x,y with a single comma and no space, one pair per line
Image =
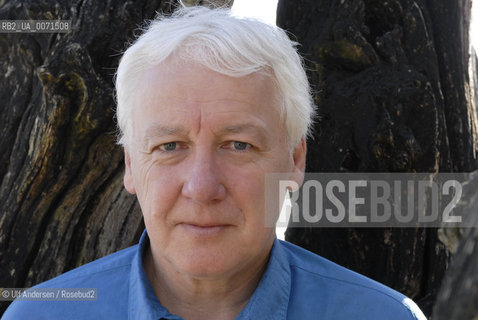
392,85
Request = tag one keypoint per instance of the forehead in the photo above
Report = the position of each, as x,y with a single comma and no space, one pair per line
195,81
176,91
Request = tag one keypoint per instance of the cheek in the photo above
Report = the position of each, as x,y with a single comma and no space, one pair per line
247,191
157,191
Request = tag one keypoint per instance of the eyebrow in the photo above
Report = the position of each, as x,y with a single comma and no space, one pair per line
161,131
247,127
157,131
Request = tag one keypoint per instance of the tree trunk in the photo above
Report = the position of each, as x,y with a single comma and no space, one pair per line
392,85
458,296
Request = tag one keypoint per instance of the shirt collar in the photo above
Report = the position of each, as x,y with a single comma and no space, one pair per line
269,300
143,303
271,297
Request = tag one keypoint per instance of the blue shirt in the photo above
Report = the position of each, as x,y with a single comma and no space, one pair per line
297,284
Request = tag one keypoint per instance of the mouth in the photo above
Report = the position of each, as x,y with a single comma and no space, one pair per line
204,230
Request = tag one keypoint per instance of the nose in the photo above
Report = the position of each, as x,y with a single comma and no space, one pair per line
203,177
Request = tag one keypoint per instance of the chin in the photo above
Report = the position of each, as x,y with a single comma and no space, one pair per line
203,265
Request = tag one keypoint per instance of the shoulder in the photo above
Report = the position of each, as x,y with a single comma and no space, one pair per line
319,284
95,271
108,276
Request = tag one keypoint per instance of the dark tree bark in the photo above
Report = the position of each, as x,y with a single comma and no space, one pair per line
458,296
394,95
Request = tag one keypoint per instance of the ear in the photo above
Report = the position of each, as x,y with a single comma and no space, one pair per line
299,156
128,175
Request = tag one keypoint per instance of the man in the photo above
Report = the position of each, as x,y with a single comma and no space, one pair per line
208,105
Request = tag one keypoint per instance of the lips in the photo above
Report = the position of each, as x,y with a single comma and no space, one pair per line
204,230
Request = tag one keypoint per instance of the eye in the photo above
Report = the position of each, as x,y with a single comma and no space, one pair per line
170,146
240,146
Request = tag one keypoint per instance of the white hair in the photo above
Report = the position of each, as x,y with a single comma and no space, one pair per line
226,44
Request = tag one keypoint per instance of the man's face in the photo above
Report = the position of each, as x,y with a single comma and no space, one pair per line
202,144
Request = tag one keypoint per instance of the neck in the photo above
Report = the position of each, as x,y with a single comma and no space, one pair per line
203,298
